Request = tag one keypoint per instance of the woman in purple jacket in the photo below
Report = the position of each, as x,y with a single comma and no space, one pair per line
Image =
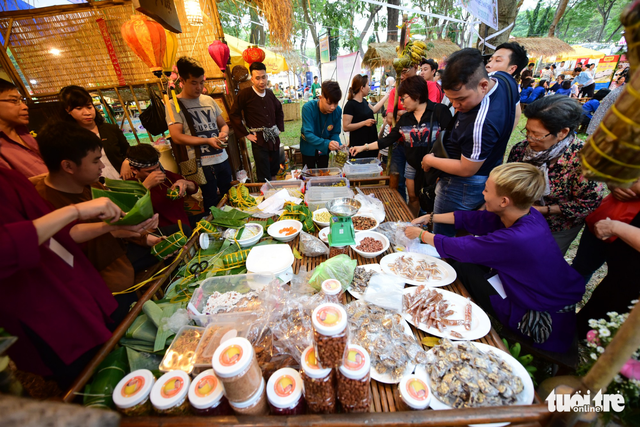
511,242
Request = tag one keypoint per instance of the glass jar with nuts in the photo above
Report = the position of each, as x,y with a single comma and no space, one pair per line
413,393
319,384
354,379
330,334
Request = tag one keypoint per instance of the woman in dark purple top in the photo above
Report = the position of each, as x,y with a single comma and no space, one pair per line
512,240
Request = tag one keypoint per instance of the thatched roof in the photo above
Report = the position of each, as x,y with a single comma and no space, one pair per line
382,54
543,46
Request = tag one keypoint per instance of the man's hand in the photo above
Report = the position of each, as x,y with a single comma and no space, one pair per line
369,122
182,185
420,220
155,178
126,231
426,162
334,145
252,137
215,143
102,208
125,170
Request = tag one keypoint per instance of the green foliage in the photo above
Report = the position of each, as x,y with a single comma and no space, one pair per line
525,360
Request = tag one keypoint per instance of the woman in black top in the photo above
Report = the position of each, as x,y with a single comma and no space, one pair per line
77,106
416,130
357,117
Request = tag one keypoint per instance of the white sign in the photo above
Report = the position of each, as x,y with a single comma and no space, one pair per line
579,403
485,10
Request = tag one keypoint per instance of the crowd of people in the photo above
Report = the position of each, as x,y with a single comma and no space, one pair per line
498,216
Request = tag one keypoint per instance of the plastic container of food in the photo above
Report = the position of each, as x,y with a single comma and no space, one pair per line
294,186
362,171
317,197
354,379
330,334
328,181
169,393
332,288
221,328
256,405
131,395
365,161
235,364
413,393
206,395
181,353
319,384
284,392
323,172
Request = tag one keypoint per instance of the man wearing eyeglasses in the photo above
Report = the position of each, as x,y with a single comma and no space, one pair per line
19,149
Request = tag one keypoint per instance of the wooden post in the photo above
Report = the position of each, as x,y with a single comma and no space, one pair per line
106,107
403,36
8,34
135,98
126,113
6,63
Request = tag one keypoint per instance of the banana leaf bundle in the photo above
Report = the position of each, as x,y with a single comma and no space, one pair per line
300,213
612,153
147,333
236,259
173,193
239,197
113,368
230,219
166,247
142,360
130,196
206,226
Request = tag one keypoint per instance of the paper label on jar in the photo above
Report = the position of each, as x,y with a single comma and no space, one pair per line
311,359
133,386
231,355
284,386
171,387
206,386
328,316
355,360
417,389
331,285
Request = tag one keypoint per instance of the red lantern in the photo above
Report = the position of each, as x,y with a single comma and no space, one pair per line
220,53
148,41
253,54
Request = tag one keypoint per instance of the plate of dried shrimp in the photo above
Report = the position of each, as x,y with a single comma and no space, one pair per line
418,269
361,278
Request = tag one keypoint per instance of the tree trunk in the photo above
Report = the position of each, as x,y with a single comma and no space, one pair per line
303,44
392,21
507,13
613,34
314,34
604,11
556,18
373,14
257,31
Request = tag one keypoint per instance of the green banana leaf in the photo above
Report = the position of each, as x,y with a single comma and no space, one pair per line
108,374
166,247
300,213
142,329
142,346
230,219
164,333
142,360
130,196
153,312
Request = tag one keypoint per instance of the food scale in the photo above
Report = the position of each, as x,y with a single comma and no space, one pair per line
342,232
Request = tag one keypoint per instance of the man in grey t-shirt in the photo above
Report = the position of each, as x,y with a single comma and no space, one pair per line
211,131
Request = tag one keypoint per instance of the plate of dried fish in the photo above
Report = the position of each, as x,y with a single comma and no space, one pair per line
444,314
470,375
418,269
361,279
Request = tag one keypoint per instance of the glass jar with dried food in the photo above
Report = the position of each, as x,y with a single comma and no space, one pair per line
354,379
332,290
131,395
330,333
319,384
169,393
413,393
236,366
206,395
284,392
257,405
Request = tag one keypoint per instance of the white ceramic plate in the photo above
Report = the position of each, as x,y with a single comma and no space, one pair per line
274,229
480,323
387,378
273,259
322,234
321,223
447,277
524,398
377,236
368,215
368,267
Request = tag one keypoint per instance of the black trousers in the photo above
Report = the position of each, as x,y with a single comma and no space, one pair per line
588,90
267,162
473,277
317,161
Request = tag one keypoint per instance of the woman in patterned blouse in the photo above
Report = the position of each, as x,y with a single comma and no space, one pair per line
552,146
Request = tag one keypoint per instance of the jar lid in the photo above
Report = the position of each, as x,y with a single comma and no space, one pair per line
415,392
232,357
310,365
329,319
133,389
284,388
205,390
356,362
253,400
170,390
331,287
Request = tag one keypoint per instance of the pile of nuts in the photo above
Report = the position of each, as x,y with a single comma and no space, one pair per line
354,394
369,244
330,349
320,393
362,223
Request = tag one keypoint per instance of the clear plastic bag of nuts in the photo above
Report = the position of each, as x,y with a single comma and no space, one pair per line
353,380
330,334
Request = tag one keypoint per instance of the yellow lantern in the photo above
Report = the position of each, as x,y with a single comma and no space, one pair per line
169,57
147,39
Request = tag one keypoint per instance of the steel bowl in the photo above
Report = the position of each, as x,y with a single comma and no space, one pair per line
343,207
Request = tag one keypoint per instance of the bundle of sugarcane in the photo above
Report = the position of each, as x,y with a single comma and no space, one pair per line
612,153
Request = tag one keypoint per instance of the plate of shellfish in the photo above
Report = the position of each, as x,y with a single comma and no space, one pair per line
444,314
466,374
418,269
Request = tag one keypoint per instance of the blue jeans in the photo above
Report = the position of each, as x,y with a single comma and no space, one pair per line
398,164
456,193
218,177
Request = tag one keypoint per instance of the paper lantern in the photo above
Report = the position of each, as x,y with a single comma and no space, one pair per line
220,54
147,40
169,57
253,54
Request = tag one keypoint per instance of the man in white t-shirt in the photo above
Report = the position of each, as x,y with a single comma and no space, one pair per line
211,131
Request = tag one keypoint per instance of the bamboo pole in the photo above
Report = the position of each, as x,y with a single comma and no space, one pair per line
6,63
8,34
126,113
135,98
403,37
106,107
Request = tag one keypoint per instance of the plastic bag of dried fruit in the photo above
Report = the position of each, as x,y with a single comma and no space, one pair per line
311,246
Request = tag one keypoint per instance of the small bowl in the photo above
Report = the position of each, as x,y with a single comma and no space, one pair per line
368,216
380,237
343,206
321,224
324,233
250,241
274,229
